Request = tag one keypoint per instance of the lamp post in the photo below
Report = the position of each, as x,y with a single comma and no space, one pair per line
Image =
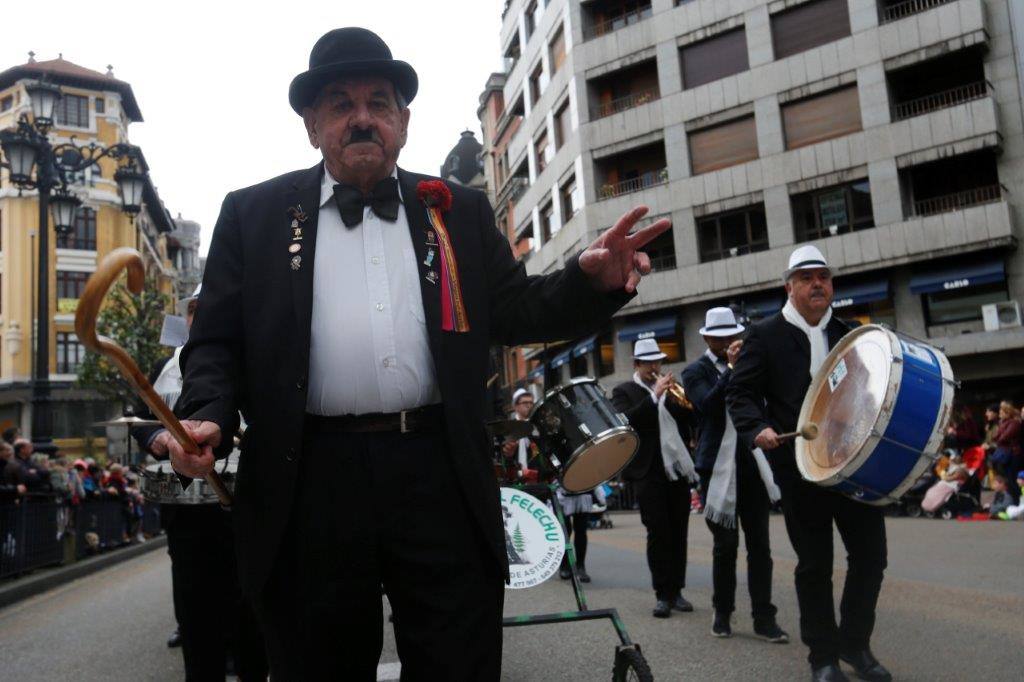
26,147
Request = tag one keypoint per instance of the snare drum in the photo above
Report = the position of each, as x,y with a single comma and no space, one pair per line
159,483
585,439
882,402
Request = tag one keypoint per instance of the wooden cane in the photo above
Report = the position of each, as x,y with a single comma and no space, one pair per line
85,326
808,431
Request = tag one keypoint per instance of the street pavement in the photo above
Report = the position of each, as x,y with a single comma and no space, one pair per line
952,608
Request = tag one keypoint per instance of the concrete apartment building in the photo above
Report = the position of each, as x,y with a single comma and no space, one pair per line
888,133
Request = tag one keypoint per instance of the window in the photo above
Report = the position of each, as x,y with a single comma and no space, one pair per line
84,234
557,50
569,197
547,227
562,124
71,284
809,25
73,110
101,105
714,58
962,305
832,211
821,117
540,150
662,251
605,354
70,353
531,19
536,86
732,233
723,145
6,103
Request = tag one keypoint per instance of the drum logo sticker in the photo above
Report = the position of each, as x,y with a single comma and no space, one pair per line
918,352
534,540
837,374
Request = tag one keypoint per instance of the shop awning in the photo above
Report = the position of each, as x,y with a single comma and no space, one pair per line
958,277
584,346
763,307
858,294
536,372
649,328
560,359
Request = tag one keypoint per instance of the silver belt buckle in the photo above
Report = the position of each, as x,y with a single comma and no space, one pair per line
402,426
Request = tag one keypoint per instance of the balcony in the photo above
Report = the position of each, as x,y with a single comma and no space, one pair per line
941,100
957,201
894,10
623,103
952,183
602,18
938,83
643,181
512,190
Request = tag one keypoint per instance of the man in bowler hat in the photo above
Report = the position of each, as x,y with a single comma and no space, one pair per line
350,323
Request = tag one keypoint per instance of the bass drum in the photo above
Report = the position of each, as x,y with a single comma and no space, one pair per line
160,483
882,402
585,439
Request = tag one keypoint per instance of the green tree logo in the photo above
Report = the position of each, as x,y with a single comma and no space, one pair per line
518,541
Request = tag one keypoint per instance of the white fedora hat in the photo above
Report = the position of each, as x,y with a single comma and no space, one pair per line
807,257
520,392
646,350
721,322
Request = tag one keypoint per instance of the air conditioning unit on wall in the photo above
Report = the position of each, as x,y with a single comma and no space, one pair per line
1003,315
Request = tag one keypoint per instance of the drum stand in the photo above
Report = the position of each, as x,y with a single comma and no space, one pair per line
629,662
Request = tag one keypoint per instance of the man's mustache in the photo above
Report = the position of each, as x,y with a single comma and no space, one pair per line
359,135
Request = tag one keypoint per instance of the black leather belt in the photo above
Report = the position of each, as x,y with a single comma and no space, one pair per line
406,421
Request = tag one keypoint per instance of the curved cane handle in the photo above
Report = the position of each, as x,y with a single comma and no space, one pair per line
85,327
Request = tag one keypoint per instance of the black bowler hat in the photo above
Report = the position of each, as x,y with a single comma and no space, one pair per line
350,51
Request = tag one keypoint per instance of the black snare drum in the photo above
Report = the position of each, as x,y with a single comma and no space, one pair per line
587,441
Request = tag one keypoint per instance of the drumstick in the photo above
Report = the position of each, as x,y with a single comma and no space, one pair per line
808,431
85,326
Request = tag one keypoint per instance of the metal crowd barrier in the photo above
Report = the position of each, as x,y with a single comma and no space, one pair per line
41,530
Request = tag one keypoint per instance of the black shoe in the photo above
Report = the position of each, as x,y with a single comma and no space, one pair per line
680,604
828,673
866,666
581,573
564,573
174,640
720,625
662,609
771,631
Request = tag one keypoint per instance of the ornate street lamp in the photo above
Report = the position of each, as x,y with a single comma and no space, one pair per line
33,163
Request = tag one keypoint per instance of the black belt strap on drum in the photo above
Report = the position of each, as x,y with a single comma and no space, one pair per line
406,421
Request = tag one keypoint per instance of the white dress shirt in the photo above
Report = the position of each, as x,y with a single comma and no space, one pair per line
369,350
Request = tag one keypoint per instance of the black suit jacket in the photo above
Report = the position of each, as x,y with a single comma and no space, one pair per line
249,343
635,402
770,380
705,388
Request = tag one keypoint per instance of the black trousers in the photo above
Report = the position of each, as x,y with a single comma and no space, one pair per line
377,510
810,512
665,513
213,618
576,529
752,507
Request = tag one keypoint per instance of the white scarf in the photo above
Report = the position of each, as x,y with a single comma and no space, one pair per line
720,506
674,455
168,384
816,335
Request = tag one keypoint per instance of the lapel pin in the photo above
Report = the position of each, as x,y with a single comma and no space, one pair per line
295,224
431,277
297,214
431,238
294,248
297,236
296,262
428,261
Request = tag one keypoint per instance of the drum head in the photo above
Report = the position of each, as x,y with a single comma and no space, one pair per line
600,461
845,400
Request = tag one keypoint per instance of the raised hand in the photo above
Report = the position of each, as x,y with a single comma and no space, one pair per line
614,261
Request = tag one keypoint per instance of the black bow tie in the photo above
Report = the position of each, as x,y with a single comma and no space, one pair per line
382,199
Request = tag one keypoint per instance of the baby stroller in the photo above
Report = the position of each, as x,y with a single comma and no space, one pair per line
950,499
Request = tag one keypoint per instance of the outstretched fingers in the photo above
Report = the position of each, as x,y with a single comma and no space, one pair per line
645,235
627,221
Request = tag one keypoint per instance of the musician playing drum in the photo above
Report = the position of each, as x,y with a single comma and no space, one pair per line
214,621
779,358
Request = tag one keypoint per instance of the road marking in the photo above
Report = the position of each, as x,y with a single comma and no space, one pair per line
389,671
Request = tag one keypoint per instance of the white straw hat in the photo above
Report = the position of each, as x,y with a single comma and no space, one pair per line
807,257
721,322
646,350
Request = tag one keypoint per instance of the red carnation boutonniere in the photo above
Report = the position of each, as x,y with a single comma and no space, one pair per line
436,196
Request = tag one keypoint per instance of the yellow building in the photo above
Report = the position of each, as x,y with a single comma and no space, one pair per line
95,107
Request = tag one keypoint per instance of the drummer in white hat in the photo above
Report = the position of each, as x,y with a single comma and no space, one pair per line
771,377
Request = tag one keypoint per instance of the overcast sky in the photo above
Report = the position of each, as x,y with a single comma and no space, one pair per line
211,78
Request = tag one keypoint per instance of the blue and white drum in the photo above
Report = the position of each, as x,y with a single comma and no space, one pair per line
882,402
